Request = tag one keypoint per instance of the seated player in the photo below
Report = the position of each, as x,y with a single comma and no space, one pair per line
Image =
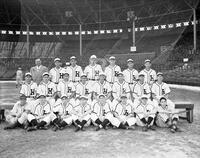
101,114
145,113
47,88
120,87
17,117
82,113
62,113
41,116
102,87
124,114
66,87
29,88
167,116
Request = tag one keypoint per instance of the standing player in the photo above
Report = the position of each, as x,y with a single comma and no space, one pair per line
130,74
29,88
145,112
93,70
65,87
112,71
19,77
37,71
47,88
101,114
74,71
56,73
124,115
82,113
102,87
120,87
149,74
17,117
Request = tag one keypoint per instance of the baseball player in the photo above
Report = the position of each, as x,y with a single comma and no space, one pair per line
149,74
93,70
67,64
141,87
75,71
47,88
56,73
145,113
84,87
65,87
62,113
41,116
112,71
29,88
130,74
17,117
102,87
82,113
124,114
120,87
101,113
19,77
167,116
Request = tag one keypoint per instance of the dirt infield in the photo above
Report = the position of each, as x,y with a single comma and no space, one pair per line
110,143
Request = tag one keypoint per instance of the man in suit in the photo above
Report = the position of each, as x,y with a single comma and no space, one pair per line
37,71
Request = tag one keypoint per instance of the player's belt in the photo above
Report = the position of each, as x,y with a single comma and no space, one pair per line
111,82
92,79
29,96
130,83
56,82
49,96
74,81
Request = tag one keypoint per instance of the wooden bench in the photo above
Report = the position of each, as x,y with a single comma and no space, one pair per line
188,107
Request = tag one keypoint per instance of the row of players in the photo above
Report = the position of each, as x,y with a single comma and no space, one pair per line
101,113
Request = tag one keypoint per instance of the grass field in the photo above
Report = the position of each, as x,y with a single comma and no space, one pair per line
110,143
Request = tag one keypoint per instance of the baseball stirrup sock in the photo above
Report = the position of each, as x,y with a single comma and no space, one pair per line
122,126
33,122
83,123
78,122
150,119
98,122
41,124
105,122
63,124
144,121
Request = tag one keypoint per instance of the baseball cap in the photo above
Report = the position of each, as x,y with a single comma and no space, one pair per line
28,74
162,97
42,96
64,96
141,74
93,57
83,97
120,74
123,96
45,73
144,97
159,73
72,57
112,58
67,63
83,75
147,60
22,97
129,60
19,68
102,74
101,95
57,59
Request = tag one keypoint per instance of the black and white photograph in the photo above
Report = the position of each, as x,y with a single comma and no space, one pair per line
99,78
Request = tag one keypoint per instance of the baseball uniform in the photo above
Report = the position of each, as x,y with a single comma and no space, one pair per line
112,73
74,73
120,88
93,72
100,88
149,76
56,74
65,88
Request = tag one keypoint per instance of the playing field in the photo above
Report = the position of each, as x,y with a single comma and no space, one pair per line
110,143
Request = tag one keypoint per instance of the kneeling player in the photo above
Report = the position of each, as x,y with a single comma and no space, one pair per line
40,116
145,112
124,114
101,114
62,113
17,117
82,113
166,116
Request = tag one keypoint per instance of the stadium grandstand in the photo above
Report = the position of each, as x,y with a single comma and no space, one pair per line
46,29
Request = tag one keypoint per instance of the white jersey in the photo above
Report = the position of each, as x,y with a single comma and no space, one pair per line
141,108
160,89
65,88
74,73
56,74
81,110
100,110
121,109
41,110
112,73
48,89
104,88
141,89
29,90
93,72
63,109
17,109
84,89
130,76
119,89
149,76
